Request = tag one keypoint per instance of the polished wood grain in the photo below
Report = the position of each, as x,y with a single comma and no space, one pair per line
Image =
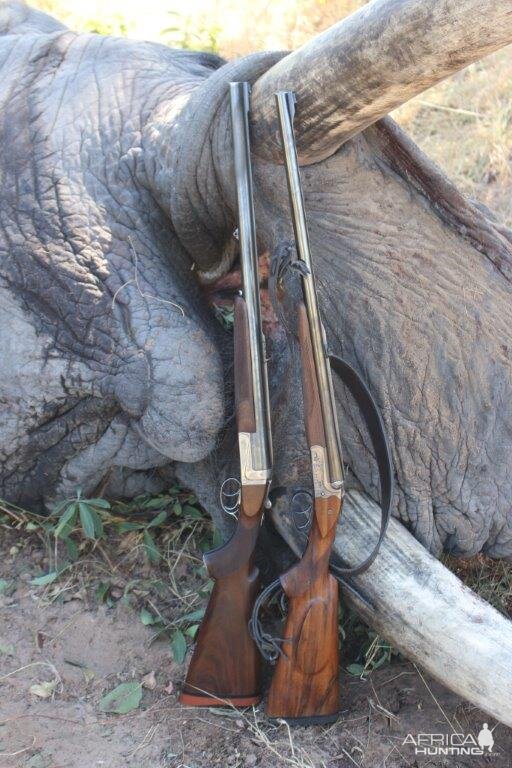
225,666
315,560
313,421
305,684
244,403
252,499
224,560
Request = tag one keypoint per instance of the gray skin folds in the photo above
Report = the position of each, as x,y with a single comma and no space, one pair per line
109,359
117,186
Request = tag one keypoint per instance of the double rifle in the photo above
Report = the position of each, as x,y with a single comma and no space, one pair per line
225,668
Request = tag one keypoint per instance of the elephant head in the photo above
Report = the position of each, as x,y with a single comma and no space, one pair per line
118,204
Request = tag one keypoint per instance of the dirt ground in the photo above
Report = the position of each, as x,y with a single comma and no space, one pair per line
62,636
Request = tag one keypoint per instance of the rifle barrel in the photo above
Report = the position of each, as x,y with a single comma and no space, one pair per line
286,111
257,447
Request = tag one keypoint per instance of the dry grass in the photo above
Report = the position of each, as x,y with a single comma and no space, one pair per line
465,125
491,579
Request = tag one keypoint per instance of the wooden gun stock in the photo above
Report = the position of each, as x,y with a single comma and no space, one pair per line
305,684
225,666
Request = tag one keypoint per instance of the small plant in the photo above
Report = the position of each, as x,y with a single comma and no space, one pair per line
225,316
79,520
177,631
150,546
176,505
375,652
161,526
61,523
88,511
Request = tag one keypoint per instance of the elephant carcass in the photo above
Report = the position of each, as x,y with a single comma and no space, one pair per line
118,181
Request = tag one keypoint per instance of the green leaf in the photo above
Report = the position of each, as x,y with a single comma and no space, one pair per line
192,631
151,548
127,527
147,617
101,592
31,526
72,549
66,522
156,503
206,588
123,699
100,503
57,509
41,581
193,616
87,520
193,512
158,520
355,669
98,523
4,585
176,508
47,526
178,646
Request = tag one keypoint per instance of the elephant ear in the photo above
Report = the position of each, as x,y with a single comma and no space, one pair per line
16,18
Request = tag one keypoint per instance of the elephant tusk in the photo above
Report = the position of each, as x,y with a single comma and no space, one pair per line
371,62
423,609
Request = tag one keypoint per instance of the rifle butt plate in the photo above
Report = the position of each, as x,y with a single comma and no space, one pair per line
204,700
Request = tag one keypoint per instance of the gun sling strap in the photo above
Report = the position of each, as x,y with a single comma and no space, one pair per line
269,646
373,421
283,264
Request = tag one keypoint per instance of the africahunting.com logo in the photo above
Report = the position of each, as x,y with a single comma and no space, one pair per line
452,743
